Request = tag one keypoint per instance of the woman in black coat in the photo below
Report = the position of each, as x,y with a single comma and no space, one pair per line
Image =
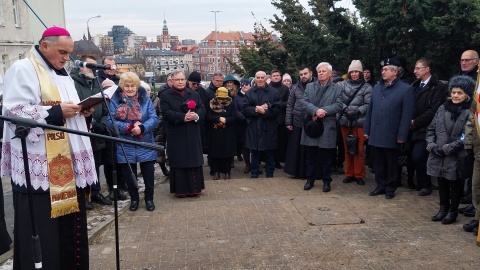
221,117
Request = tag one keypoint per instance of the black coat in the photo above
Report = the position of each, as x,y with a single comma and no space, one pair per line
222,140
427,102
203,127
184,144
283,92
87,87
261,133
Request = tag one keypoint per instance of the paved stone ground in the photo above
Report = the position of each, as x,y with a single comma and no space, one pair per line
274,224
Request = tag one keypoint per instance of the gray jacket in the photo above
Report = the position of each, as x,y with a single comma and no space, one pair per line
326,97
449,135
358,102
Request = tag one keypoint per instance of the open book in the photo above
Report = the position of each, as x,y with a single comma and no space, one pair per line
97,98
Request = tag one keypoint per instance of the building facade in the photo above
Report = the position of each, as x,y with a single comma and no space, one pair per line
167,41
104,43
163,62
15,36
119,33
228,45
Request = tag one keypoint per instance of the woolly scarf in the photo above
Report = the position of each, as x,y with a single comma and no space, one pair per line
456,109
129,109
218,106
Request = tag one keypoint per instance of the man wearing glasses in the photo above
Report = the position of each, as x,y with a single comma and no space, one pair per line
217,81
429,95
469,64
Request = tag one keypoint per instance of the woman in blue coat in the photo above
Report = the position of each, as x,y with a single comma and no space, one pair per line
135,117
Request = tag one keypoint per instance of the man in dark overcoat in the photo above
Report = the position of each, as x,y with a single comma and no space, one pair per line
321,99
261,108
183,111
387,125
429,95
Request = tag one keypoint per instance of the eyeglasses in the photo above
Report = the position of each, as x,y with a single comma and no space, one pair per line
418,68
179,80
195,83
467,60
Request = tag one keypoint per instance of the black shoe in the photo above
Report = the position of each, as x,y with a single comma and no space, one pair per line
100,199
475,231
468,211
278,166
88,205
424,192
348,179
467,199
441,213
239,158
133,205
390,195
165,172
309,184
150,205
411,184
470,226
111,195
376,192
326,187
121,195
450,218
360,181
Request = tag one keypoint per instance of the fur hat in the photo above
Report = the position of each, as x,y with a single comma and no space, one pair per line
313,129
286,76
221,92
194,77
463,82
356,65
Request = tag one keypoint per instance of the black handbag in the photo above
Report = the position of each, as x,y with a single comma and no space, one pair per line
352,143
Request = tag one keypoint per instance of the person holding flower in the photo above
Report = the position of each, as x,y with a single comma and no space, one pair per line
135,117
183,112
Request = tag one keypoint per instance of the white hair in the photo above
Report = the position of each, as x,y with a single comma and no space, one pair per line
145,85
329,67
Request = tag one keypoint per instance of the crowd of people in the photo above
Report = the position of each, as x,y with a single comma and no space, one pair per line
315,126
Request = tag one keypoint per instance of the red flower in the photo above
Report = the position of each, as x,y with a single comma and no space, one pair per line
191,104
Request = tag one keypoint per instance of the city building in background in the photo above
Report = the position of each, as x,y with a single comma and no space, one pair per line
228,44
162,62
104,43
86,47
15,35
167,41
119,33
136,65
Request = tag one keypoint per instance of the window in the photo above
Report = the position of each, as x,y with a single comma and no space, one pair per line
16,13
2,17
4,62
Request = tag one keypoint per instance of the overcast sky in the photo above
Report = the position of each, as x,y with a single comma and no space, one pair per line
187,19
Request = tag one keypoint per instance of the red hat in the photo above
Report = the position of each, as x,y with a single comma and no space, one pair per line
55,31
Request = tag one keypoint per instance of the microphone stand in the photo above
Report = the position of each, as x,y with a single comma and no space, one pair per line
23,126
116,134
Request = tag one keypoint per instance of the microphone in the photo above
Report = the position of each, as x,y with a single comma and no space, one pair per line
81,64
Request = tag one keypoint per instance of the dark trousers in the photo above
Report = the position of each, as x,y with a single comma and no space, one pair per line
385,164
221,165
339,153
450,192
147,170
96,187
268,155
246,155
419,162
322,157
282,143
108,170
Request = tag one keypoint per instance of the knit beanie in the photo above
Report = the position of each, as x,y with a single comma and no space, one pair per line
463,82
286,76
194,77
221,92
356,65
